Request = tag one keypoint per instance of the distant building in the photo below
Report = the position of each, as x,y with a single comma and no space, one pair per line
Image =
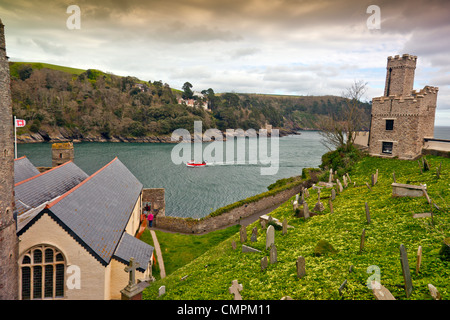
402,118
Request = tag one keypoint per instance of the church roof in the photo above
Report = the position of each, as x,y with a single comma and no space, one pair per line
131,247
97,210
46,186
24,169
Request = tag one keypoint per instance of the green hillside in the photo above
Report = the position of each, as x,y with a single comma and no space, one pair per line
392,224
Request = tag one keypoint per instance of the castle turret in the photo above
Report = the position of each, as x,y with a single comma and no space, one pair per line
8,237
403,117
400,75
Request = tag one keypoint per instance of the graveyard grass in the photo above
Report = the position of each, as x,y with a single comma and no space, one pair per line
210,275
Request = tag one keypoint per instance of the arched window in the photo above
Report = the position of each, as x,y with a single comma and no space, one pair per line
42,270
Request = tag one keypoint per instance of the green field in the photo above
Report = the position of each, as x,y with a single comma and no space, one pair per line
14,66
210,275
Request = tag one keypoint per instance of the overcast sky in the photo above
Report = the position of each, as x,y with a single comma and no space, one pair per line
297,47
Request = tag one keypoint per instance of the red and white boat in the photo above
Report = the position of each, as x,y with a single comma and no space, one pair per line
194,164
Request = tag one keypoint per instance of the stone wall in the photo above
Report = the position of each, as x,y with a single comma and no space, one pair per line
156,196
8,238
196,226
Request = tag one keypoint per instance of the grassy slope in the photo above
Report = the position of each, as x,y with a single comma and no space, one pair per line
38,65
392,224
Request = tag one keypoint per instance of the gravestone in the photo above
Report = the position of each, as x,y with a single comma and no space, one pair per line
233,244
330,204
263,223
133,291
285,225
243,234
367,213
363,240
393,177
330,177
434,292
419,259
405,270
348,177
295,205
236,289
305,210
264,263
249,249
342,287
161,291
380,292
273,254
367,185
339,185
422,215
344,178
254,235
270,236
301,267
407,190
319,207
333,194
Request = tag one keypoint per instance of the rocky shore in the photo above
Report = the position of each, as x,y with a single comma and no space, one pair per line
63,135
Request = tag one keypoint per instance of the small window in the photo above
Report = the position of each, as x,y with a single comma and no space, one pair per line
387,147
389,124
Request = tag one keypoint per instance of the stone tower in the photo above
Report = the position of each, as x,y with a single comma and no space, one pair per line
61,153
8,238
403,117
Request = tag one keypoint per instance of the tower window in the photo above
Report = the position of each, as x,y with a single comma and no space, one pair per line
387,147
389,124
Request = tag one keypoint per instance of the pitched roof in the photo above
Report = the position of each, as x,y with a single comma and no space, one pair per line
97,210
46,186
131,247
24,169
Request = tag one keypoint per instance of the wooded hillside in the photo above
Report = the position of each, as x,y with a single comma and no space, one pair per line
89,104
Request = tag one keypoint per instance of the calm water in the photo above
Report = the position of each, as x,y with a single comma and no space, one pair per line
190,192
195,192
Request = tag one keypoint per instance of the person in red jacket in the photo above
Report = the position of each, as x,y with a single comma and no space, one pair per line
150,219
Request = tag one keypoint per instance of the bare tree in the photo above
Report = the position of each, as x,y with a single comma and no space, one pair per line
338,130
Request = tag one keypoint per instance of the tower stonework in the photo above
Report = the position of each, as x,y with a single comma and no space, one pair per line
8,237
62,152
403,117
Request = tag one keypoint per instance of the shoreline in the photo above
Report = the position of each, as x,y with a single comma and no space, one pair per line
59,138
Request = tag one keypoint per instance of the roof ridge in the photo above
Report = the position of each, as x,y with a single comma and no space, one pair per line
42,173
55,201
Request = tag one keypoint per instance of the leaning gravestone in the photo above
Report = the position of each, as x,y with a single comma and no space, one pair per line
249,249
380,292
330,204
405,270
333,194
270,236
236,289
301,267
367,213
339,185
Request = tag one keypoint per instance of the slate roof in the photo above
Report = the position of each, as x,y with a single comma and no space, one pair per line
46,186
97,210
131,247
24,169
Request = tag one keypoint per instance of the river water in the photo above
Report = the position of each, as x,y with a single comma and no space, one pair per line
195,192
